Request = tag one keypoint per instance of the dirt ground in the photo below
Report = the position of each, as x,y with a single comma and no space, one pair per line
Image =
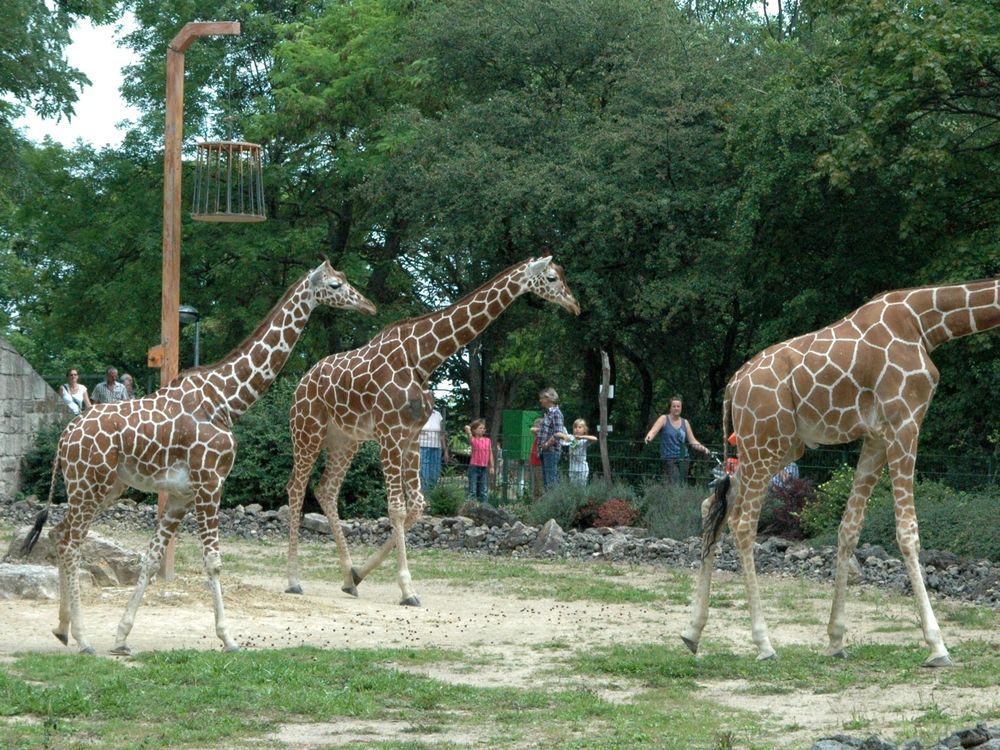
507,634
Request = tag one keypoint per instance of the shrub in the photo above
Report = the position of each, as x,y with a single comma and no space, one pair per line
616,512
673,512
576,506
36,466
821,516
444,499
782,515
965,523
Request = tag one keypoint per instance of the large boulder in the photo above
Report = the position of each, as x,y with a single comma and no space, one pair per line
109,563
486,515
28,581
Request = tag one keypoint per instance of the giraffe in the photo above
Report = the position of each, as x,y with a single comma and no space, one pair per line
868,376
379,391
178,440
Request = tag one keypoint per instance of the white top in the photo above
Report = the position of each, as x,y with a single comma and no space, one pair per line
430,433
73,396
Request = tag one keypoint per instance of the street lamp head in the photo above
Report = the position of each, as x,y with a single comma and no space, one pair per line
187,314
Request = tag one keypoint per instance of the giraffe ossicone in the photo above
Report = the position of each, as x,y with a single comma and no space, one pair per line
868,376
178,440
379,392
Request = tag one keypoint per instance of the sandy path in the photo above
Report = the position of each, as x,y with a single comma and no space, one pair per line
505,633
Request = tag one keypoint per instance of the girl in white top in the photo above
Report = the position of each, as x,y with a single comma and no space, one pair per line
578,443
74,393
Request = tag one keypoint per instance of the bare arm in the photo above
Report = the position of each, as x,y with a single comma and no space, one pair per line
657,426
693,440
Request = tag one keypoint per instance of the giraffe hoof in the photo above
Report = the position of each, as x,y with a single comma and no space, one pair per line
352,590
838,653
410,601
63,638
692,645
122,650
770,656
88,650
356,576
232,648
939,661
296,589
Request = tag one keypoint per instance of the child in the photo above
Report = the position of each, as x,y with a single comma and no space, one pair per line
578,443
481,461
537,483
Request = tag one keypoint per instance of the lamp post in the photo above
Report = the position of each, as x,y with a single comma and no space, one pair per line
188,314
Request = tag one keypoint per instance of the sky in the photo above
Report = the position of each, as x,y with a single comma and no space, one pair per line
99,107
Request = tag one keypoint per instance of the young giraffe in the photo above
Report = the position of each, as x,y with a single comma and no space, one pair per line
178,440
379,391
867,376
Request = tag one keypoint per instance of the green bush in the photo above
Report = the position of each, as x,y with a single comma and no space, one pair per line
673,512
965,523
565,502
820,517
36,466
445,499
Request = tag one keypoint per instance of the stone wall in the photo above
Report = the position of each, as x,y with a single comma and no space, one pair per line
26,404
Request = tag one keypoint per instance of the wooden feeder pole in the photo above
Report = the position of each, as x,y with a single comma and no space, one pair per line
173,135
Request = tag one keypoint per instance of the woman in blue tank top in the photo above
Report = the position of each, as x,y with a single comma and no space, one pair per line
674,432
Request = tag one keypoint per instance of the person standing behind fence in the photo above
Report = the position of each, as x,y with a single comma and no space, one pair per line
110,390
535,462
481,460
674,432
129,385
549,447
433,446
578,442
74,393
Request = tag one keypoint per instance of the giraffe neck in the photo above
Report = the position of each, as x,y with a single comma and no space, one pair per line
246,372
950,312
457,325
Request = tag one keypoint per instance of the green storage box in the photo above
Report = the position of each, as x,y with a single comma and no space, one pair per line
516,436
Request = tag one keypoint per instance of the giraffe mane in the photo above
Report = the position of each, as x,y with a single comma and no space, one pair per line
256,333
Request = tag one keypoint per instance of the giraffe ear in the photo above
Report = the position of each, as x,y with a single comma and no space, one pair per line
536,267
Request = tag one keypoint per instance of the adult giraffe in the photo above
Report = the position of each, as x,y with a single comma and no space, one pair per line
868,376
379,391
178,440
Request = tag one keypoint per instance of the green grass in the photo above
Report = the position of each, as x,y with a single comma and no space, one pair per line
193,699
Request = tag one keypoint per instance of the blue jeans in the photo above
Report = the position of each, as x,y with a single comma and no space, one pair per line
430,468
550,468
479,482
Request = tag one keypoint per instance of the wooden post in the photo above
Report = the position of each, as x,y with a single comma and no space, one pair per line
173,136
602,402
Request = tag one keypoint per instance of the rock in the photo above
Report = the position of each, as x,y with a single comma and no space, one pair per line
474,537
108,563
316,522
28,581
284,514
974,737
254,508
854,573
486,515
551,540
518,535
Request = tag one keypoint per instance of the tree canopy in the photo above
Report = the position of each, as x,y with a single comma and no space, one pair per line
713,177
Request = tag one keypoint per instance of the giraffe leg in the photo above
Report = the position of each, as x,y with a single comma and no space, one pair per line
166,527
305,448
406,503
699,614
341,453
902,457
73,528
869,465
208,522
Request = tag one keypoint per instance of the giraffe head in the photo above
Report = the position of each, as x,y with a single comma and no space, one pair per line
330,287
546,279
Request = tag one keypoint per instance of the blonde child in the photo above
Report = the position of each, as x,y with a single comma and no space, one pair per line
481,461
578,443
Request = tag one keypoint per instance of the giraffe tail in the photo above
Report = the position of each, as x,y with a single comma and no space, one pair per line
715,520
36,531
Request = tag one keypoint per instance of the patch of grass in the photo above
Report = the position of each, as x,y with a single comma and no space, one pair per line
193,699
971,617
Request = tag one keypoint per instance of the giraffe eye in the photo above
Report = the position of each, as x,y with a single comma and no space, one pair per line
551,277
336,284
